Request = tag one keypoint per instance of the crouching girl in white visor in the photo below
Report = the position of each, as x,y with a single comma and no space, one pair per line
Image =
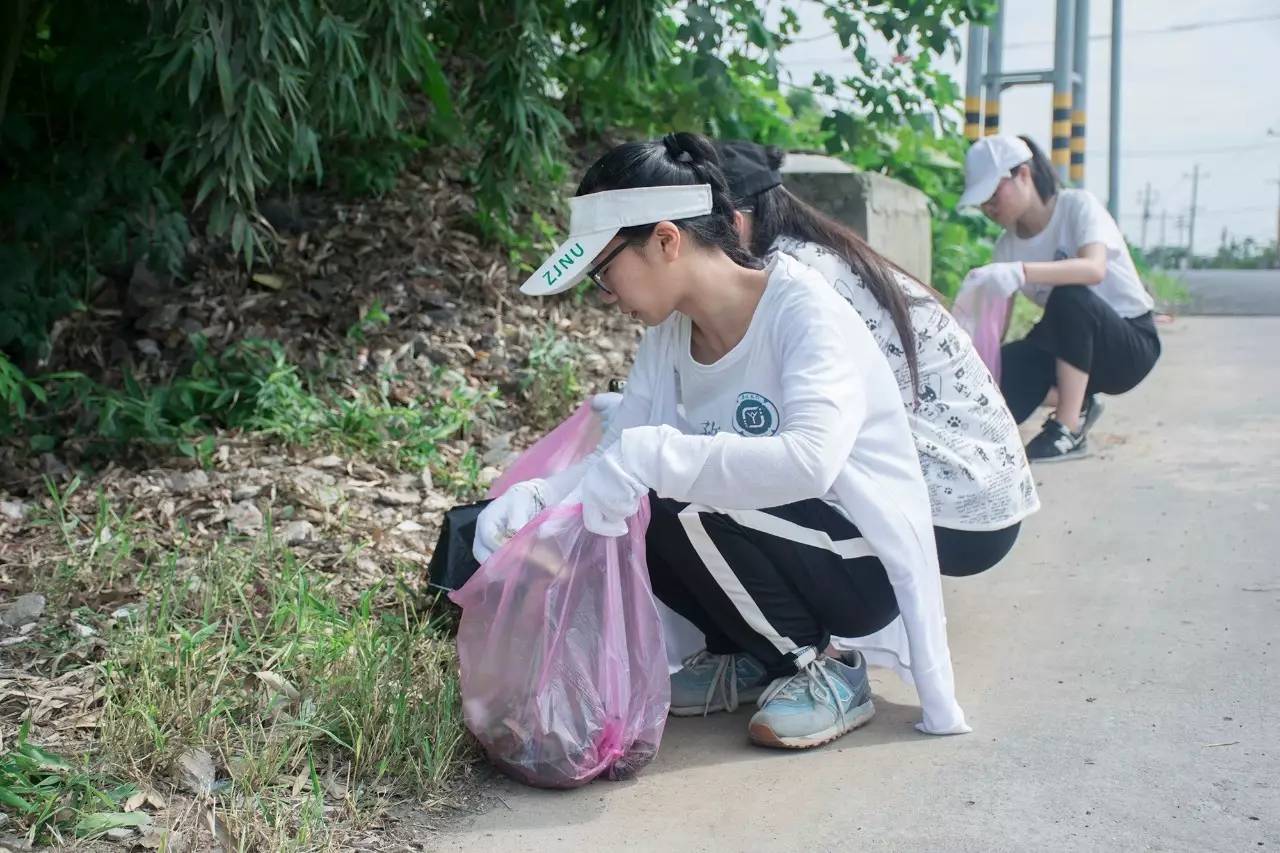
767,430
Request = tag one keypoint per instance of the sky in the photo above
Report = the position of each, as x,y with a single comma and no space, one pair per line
1198,88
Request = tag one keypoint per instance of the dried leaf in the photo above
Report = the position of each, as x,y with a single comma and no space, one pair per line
265,279
278,684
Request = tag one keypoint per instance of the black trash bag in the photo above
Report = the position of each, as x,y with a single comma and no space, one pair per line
453,564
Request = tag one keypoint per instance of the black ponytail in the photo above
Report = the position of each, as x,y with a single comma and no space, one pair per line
678,159
778,213
1043,175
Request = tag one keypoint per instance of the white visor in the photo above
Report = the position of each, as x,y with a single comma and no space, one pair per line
595,219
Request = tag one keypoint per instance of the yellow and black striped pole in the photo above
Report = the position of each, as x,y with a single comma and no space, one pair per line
1062,81
1061,131
1079,91
1077,148
974,57
995,68
972,118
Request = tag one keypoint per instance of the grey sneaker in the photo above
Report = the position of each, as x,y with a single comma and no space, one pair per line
827,699
710,683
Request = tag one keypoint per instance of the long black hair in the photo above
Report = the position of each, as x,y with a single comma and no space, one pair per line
1043,175
678,159
778,213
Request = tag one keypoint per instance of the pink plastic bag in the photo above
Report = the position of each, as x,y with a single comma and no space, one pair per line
564,446
564,672
981,311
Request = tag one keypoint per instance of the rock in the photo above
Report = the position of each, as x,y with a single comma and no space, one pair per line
186,482
244,517
194,771
147,347
398,497
316,489
246,492
13,510
53,467
488,475
24,610
425,479
330,461
409,526
297,532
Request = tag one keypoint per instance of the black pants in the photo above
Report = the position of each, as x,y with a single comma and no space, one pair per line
774,583
967,552
1087,333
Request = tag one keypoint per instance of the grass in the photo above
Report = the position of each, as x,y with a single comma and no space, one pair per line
252,386
317,714
550,385
1167,288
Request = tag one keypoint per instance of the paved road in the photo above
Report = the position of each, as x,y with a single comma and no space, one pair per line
1231,292
1121,670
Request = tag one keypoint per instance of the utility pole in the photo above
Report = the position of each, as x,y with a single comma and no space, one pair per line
1195,194
1164,241
1146,214
1064,23
1113,150
1182,230
1277,183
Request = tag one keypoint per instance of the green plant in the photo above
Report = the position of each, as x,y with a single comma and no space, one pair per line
52,799
550,385
243,97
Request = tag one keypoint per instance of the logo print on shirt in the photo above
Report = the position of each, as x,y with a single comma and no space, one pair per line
756,415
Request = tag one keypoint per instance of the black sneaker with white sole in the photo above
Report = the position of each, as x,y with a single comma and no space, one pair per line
1056,443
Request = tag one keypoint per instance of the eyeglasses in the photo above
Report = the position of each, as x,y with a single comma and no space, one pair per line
596,273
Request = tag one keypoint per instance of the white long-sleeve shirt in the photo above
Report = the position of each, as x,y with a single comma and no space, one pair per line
805,406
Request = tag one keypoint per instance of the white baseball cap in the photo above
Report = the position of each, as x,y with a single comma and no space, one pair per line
594,220
990,159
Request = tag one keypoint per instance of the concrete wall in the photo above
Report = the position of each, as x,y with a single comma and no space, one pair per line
891,216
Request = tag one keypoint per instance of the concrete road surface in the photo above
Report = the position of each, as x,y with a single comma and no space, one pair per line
1121,670
1231,292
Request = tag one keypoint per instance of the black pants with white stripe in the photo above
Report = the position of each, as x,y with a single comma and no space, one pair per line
772,583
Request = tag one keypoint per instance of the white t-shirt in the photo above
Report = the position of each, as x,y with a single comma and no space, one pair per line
1079,219
969,448
803,407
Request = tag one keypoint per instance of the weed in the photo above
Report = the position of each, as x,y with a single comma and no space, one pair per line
550,385
52,799
303,701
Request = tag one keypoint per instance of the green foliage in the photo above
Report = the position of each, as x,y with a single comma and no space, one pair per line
241,98
934,164
52,799
249,386
550,386
257,96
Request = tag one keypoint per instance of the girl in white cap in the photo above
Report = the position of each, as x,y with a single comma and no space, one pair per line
1063,251
980,486
767,431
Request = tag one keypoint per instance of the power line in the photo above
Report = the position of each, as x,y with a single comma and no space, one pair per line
1176,28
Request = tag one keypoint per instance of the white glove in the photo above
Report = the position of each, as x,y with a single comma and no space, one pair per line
610,494
1006,277
503,518
604,405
